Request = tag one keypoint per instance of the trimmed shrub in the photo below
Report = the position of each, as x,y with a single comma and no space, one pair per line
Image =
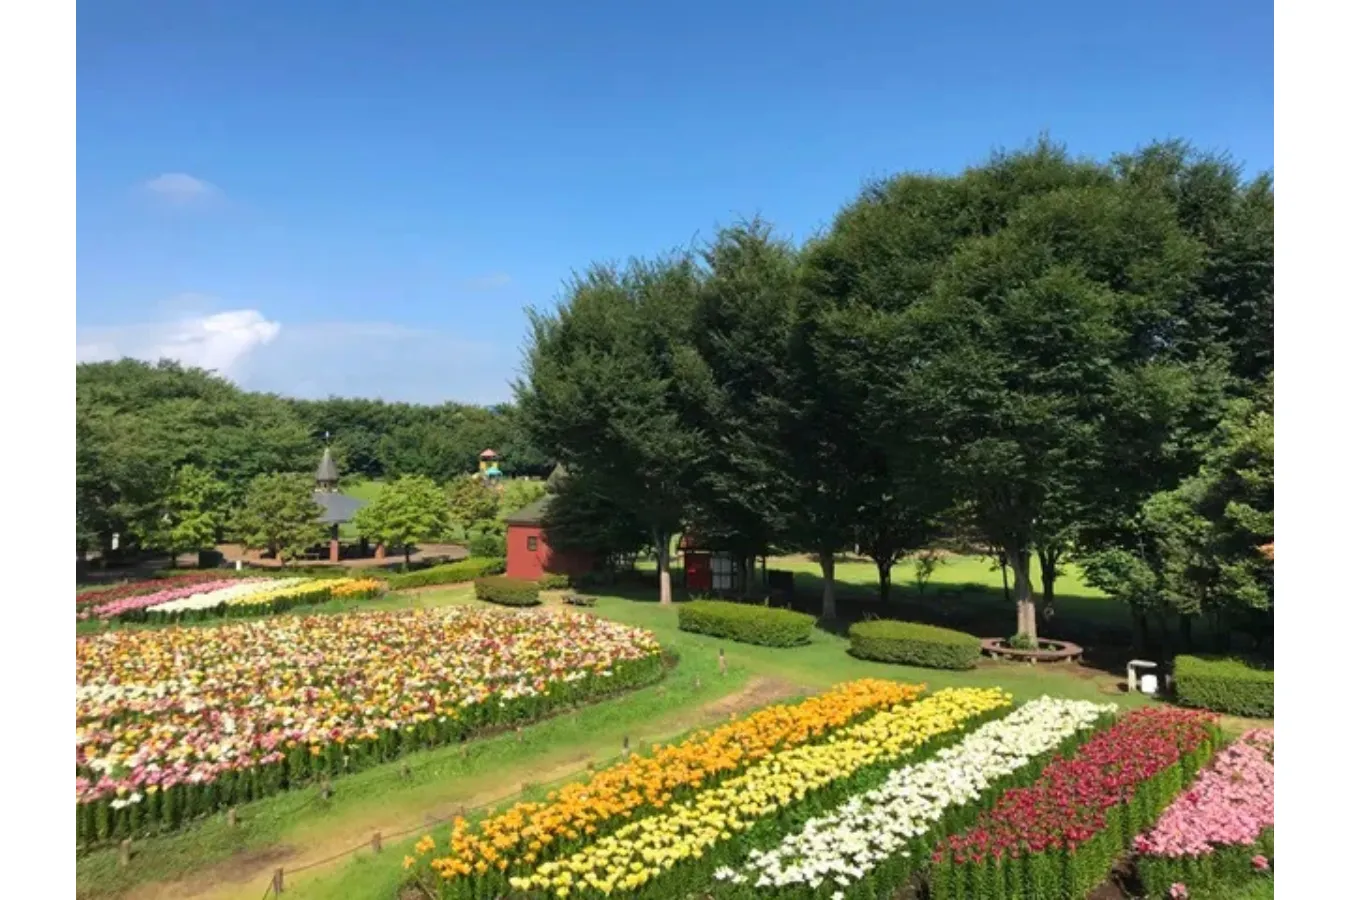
1222,685
451,573
913,644
747,624
554,582
507,591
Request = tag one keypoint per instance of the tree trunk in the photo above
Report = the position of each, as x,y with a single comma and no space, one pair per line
1020,560
1049,560
743,575
827,610
663,566
1003,566
407,557
884,580
1185,633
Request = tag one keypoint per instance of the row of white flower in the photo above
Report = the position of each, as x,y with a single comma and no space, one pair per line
841,848
234,592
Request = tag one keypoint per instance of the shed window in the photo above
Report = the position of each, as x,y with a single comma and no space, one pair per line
532,543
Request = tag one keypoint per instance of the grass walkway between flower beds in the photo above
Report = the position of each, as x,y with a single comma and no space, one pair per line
213,862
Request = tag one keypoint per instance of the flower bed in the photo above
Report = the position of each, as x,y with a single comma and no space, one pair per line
674,853
126,607
150,586
875,841
1060,836
480,857
236,597
1221,830
174,723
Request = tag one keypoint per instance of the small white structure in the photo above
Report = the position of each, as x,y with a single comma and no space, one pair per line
1141,677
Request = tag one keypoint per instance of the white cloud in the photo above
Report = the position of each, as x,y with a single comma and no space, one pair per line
220,341
178,187
316,359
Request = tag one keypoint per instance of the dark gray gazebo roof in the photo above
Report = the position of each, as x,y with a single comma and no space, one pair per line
532,514
337,508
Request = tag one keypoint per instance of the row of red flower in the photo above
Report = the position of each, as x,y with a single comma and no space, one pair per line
1072,823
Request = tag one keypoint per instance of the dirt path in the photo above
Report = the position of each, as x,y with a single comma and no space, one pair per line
247,874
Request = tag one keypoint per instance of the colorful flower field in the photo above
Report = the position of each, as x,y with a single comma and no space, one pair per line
212,598
174,723
866,790
133,588
1221,830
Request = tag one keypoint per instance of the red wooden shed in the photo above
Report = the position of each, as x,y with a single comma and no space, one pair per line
528,555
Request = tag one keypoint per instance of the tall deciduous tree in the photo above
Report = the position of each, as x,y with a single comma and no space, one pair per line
410,509
191,514
607,391
279,515
742,324
472,503
1021,341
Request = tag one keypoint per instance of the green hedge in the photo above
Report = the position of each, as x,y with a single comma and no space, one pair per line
450,573
507,591
554,582
748,624
1225,686
914,645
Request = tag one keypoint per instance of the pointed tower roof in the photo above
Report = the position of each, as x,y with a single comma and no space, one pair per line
327,474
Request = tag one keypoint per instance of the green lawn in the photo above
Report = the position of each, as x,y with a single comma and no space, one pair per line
212,860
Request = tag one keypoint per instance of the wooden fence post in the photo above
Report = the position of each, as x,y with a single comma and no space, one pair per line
375,843
278,881
232,817
721,661
124,853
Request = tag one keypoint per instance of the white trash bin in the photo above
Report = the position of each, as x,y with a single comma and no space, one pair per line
1148,683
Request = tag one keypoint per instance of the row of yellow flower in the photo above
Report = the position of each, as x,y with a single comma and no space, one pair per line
645,849
311,590
569,817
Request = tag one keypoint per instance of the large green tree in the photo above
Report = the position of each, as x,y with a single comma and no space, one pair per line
279,515
191,515
610,378
473,504
410,509
1019,348
742,324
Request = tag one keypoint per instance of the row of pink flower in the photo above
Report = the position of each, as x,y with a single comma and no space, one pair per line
1229,804
143,601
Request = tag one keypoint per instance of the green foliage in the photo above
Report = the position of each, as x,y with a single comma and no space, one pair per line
506,591
472,503
610,379
1023,642
1222,872
193,513
279,515
518,493
913,644
749,624
554,582
408,510
1229,686
491,544
451,573
926,563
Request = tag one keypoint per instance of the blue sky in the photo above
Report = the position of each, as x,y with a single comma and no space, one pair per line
361,198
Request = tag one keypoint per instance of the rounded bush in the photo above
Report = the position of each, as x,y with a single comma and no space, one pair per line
747,624
507,591
913,644
1222,685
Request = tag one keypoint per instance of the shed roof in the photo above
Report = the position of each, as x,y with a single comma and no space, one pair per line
533,514
489,453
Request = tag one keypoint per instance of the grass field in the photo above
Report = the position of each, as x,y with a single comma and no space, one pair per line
214,861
